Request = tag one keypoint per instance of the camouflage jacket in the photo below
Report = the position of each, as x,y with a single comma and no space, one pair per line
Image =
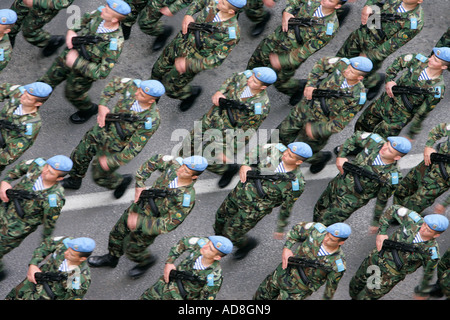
44,5
313,38
310,236
216,46
211,277
341,110
173,5
439,132
174,208
103,55
43,210
17,141
5,51
390,173
135,134
413,65
427,254
397,32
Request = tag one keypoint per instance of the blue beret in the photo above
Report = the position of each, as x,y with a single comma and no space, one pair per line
222,244
8,16
39,89
196,163
265,74
81,244
238,3
119,6
400,144
340,230
61,163
153,88
361,63
437,222
301,149
442,53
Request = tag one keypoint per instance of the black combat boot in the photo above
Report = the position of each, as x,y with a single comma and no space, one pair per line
120,190
71,183
139,270
317,167
81,116
259,27
106,260
53,44
241,253
160,40
228,175
187,103
126,30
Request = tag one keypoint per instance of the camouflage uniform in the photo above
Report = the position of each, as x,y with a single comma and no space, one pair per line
212,275
341,110
444,41
423,184
17,142
247,121
388,116
216,47
32,20
173,210
81,76
243,208
74,288
340,199
443,274
291,53
255,11
361,287
377,48
44,210
107,141
286,284
5,51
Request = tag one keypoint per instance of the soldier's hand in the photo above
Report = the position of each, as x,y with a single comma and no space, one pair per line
269,3
285,256
308,92
340,164
167,268
388,88
373,230
275,61
278,235
379,241
426,155
285,21
132,220
165,11
216,96
69,35
365,13
137,193
3,187
28,3
184,25
102,112
439,208
243,173
32,269
180,64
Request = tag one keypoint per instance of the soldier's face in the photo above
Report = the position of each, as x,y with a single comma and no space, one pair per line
51,175
389,153
330,4
73,256
427,233
254,83
290,158
436,63
142,97
29,100
209,251
109,14
351,74
4,29
331,241
184,172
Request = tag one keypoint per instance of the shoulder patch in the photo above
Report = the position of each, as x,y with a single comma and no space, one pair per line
394,178
281,147
414,216
421,58
137,82
347,61
309,225
408,57
167,158
179,160
14,87
340,265
434,253
333,60
375,137
40,161
402,212
193,240
123,80
320,227
248,73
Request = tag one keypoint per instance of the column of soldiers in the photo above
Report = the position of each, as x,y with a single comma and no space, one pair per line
324,103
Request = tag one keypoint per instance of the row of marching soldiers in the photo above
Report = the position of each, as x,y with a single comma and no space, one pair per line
336,89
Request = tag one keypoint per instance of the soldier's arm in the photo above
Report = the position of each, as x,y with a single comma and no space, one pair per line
331,286
289,199
186,243
293,5
323,66
400,63
156,162
51,4
115,86
389,217
358,140
430,262
297,234
437,133
196,6
7,90
19,170
211,289
6,57
46,247
178,5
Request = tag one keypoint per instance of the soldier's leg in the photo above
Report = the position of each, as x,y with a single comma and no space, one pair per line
155,292
226,211
260,57
33,27
22,11
268,289
137,6
109,179
149,19
76,91
359,279
371,116
255,11
286,83
290,127
166,60
409,184
57,73
83,154
352,46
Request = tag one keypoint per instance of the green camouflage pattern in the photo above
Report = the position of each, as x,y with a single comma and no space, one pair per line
74,288
388,116
6,50
340,200
212,275
388,277
291,53
443,273
444,41
286,284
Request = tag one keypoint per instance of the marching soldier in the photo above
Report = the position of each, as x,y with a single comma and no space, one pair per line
255,197
285,50
248,89
36,199
313,120
20,120
32,17
392,111
317,259
115,141
444,41
256,13
190,53
7,20
410,247
64,276
400,21
442,285
163,209
429,179
92,58
198,276
374,173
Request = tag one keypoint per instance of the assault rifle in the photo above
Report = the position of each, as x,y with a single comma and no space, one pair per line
10,126
17,195
229,104
441,159
196,28
358,172
179,276
257,177
296,23
116,118
301,263
394,247
79,43
322,94
149,195
404,91
45,277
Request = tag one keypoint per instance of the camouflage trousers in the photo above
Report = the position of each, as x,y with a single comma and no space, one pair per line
384,118
89,149
77,86
443,273
254,10
421,187
31,22
366,285
280,285
161,291
286,83
147,15
133,244
27,290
